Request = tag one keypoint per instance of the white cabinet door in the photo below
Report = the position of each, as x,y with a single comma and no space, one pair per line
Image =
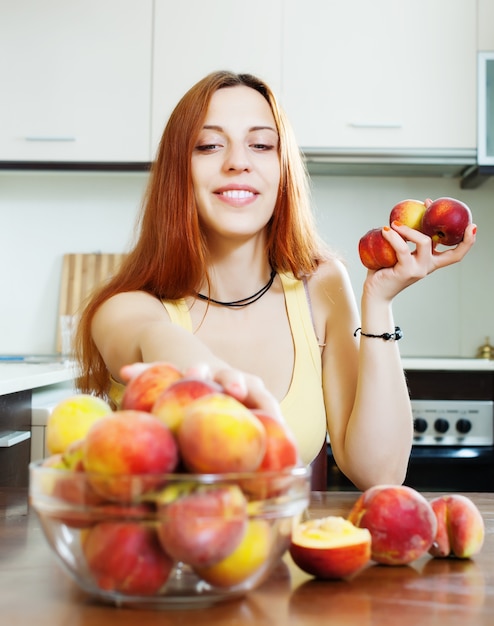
195,37
75,80
381,74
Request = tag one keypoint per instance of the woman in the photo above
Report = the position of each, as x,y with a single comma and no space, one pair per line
228,279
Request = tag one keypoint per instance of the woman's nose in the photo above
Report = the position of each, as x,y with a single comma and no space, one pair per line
237,158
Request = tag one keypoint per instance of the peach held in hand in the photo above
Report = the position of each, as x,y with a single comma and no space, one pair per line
331,547
124,445
408,212
126,557
375,251
203,527
141,391
460,527
445,221
400,520
245,561
170,405
71,419
219,434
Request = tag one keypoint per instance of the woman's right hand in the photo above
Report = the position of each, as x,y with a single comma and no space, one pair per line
246,388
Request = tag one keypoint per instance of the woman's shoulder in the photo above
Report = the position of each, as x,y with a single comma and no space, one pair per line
330,271
128,302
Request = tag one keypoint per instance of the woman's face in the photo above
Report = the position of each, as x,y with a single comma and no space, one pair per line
235,164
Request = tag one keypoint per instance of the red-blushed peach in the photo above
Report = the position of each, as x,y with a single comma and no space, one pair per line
68,483
445,221
401,522
71,419
248,559
219,434
142,390
126,557
203,527
375,251
330,547
170,405
281,447
126,454
408,212
460,527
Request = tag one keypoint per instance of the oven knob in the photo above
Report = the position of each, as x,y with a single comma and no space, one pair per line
419,425
441,425
463,426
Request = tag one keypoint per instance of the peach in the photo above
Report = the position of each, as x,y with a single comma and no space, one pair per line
445,221
219,434
408,212
247,560
170,405
71,419
126,557
331,547
375,251
126,453
460,527
281,447
400,520
142,390
203,527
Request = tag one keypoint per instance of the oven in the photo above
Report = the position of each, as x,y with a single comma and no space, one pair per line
453,446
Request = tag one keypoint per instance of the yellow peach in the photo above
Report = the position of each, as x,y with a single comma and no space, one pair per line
71,420
245,561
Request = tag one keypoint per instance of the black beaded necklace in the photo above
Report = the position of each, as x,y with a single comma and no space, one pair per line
237,304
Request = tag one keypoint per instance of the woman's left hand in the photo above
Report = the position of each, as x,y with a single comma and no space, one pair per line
414,265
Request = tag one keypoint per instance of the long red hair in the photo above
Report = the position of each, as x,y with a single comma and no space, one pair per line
170,257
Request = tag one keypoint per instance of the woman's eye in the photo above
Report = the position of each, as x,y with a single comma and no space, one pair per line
262,146
207,147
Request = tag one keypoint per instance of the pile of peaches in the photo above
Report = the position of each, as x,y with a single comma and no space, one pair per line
182,473
390,525
443,220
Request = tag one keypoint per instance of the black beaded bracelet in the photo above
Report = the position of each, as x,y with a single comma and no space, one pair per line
396,336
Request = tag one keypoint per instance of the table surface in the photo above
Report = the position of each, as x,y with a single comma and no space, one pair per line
35,590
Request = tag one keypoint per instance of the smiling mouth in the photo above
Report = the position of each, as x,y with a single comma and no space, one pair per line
237,194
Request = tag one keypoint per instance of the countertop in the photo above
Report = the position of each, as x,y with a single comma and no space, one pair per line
430,592
18,376
447,363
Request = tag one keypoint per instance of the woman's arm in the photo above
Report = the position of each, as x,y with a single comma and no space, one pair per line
134,328
367,401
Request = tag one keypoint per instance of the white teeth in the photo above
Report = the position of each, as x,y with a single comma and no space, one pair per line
237,193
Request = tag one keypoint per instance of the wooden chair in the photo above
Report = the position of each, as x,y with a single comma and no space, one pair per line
81,274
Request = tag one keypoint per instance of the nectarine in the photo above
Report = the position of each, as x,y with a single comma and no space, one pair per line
375,251
400,520
445,221
219,434
203,527
460,527
142,390
331,547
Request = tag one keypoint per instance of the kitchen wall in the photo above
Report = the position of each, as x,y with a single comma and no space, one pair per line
46,214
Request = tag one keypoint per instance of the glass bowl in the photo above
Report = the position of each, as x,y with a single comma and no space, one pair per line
165,541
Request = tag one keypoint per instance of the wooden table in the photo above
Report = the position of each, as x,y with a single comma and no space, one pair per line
35,590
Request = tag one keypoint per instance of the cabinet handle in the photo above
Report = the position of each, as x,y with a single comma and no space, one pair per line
52,139
12,437
376,124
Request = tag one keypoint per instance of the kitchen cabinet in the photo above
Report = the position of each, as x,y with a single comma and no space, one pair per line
194,37
76,80
486,25
397,74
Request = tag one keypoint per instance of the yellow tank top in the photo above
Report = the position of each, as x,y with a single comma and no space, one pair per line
303,406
